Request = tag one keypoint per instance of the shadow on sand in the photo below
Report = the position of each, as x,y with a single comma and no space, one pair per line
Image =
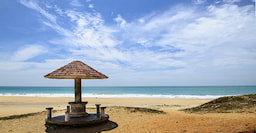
109,125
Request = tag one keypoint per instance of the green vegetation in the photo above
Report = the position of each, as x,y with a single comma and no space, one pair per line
144,110
18,116
23,115
237,104
131,109
166,106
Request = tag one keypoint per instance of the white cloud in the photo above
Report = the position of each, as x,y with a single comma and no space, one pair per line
198,36
221,30
87,36
28,52
35,6
75,3
231,1
120,21
51,20
199,1
90,6
89,32
58,10
191,45
183,37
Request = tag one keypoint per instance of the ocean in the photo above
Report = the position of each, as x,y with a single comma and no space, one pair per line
170,92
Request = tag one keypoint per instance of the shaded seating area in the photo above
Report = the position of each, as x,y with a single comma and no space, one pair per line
76,114
66,120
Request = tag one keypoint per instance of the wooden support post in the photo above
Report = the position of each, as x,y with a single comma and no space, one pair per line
103,111
98,109
78,94
68,108
67,116
49,113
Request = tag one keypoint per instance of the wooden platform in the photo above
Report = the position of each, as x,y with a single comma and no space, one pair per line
91,119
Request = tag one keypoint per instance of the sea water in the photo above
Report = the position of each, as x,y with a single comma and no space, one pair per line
170,92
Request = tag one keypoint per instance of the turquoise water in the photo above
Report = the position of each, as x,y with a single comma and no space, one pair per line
174,92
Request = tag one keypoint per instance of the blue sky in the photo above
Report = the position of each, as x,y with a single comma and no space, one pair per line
145,42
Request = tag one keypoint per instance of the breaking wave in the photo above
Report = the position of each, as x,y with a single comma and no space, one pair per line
115,95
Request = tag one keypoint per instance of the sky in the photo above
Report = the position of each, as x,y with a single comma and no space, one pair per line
133,42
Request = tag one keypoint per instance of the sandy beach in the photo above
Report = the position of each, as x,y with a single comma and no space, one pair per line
128,121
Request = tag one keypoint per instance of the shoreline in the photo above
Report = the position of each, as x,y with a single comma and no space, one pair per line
12,105
58,100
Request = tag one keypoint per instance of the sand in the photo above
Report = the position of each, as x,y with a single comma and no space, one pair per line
137,122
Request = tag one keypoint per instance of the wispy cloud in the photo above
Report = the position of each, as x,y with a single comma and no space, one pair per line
231,1
199,1
28,52
35,6
168,39
75,3
196,38
51,19
120,21
179,41
90,6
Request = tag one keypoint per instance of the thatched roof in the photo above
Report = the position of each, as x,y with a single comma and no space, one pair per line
76,69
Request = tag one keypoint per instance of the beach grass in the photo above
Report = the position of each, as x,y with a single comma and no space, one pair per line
230,104
26,115
166,106
18,116
130,109
144,110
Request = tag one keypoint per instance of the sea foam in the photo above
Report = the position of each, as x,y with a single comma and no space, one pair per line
115,95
